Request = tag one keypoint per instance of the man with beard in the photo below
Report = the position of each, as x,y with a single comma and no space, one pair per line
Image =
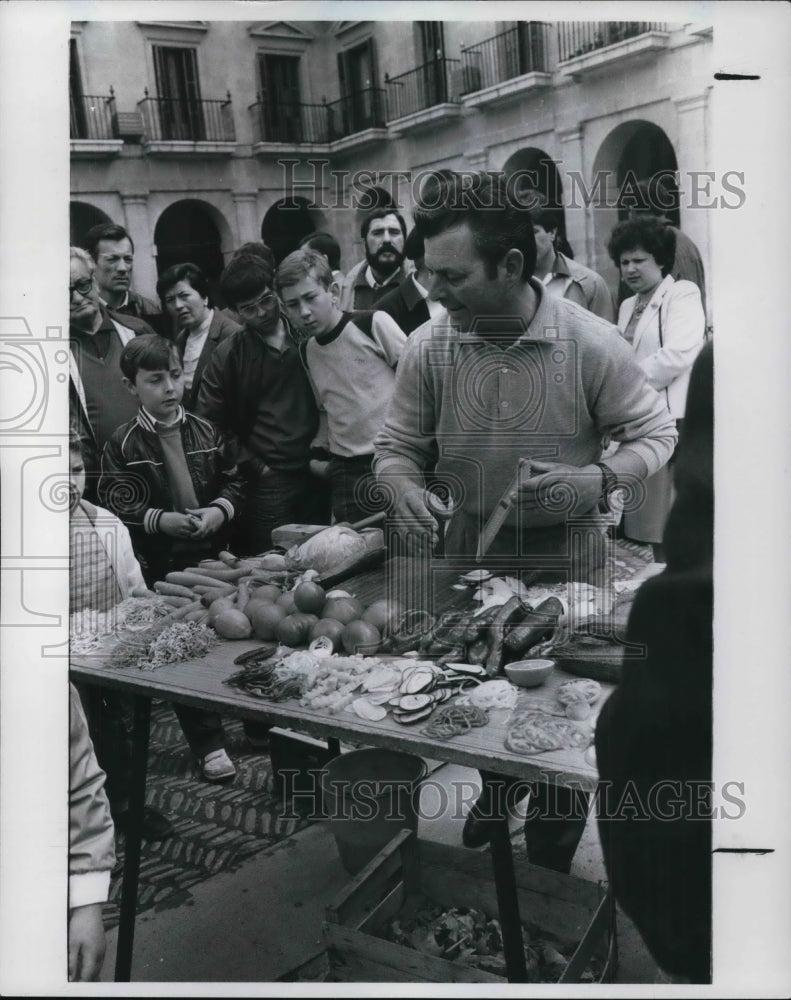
383,232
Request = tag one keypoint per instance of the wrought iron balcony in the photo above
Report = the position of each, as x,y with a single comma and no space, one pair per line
515,52
358,112
424,87
290,122
184,119
577,38
91,116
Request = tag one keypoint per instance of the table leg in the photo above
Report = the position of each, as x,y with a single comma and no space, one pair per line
505,884
334,746
137,801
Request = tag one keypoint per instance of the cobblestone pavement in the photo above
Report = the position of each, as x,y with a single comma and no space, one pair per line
217,826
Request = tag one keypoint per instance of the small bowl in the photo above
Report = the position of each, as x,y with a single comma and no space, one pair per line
529,673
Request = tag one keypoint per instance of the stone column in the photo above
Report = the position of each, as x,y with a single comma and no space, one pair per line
141,228
248,225
579,227
692,156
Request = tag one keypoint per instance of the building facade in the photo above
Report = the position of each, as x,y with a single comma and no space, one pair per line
199,136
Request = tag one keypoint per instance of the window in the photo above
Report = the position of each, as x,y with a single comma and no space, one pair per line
179,101
432,59
361,103
280,107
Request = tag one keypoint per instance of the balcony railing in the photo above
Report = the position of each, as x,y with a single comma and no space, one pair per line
290,121
519,50
576,38
91,116
421,88
187,119
359,111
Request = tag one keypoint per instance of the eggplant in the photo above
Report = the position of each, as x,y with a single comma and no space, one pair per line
509,613
476,625
415,702
476,651
536,626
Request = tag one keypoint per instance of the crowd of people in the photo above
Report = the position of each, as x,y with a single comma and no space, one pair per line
455,350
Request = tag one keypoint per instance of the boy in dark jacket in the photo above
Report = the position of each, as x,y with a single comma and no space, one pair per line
168,476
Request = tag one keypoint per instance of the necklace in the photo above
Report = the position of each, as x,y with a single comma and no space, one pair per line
639,308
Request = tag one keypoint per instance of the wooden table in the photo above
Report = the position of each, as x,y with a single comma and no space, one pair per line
199,683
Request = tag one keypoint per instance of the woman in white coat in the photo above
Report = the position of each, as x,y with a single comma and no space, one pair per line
665,324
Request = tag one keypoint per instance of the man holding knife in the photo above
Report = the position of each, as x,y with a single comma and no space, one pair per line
513,374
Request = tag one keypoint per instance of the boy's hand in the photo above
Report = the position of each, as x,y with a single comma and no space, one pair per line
178,525
210,519
319,468
86,943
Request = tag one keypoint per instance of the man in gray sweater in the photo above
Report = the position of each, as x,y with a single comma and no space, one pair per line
514,374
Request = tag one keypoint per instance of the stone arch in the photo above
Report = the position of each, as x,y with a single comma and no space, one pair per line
194,230
287,222
82,217
635,150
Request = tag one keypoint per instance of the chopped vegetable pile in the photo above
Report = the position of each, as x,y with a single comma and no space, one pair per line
157,646
470,936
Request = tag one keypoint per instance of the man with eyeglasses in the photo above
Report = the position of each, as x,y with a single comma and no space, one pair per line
98,400
113,253
257,390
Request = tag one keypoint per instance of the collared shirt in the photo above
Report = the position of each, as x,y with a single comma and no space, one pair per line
193,347
121,305
435,308
393,278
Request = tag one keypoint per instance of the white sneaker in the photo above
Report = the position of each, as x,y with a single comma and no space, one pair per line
217,766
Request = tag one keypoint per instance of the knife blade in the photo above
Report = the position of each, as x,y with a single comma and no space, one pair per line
498,516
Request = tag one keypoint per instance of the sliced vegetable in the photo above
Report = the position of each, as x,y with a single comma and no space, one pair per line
414,702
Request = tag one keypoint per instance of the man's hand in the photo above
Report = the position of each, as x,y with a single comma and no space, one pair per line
319,468
178,525
210,519
86,943
555,492
416,515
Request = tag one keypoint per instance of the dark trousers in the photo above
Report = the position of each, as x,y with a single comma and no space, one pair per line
110,724
554,822
351,480
274,499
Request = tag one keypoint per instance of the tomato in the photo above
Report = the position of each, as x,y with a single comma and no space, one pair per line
382,614
344,609
265,617
361,637
330,627
309,597
268,592
286,601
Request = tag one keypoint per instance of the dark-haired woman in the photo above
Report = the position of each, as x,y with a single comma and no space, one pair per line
184,293
664,322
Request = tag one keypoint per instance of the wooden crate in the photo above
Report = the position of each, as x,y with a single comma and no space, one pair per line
579,914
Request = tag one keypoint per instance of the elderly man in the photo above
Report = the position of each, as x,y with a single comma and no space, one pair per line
98,400
113,253
513,374
383,231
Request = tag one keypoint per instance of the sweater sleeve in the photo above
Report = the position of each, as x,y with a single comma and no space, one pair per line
91,833
389,335
232,483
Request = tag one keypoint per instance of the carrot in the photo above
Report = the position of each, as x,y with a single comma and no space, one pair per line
172,589
229,559
177,602
179,614
212,594
224,575
195,614
191,579
211,564
242,596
